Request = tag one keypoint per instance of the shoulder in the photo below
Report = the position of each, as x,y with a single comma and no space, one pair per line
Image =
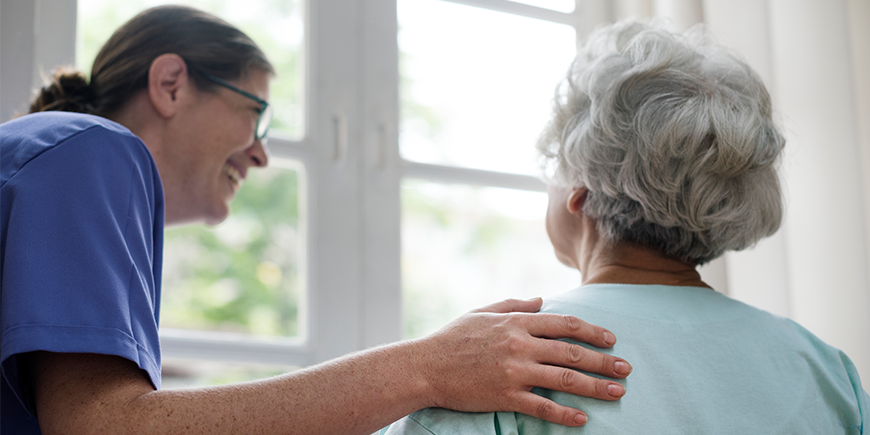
657,303
51,128
431,421
83,136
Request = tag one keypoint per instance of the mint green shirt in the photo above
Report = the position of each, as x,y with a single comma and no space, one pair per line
703,364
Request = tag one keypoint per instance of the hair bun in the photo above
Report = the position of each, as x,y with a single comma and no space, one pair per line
68,91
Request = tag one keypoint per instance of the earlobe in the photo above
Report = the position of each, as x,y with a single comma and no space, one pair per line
576,199
167,77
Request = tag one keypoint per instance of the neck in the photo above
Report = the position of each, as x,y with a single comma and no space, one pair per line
603,262
138,116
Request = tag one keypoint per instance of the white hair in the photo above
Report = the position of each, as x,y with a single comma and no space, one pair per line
674,139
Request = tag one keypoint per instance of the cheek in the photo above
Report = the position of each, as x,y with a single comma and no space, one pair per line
548,223
553,227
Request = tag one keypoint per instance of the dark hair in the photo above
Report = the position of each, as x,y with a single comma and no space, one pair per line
68,92
206,43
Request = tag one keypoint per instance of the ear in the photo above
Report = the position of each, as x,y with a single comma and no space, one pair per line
576,199
167,76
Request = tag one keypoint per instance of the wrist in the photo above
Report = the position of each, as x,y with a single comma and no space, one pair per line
421,367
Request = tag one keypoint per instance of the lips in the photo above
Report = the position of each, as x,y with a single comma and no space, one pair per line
235,176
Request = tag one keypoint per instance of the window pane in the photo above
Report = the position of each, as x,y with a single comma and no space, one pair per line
566,6
243,275
276,26
465,247
476,84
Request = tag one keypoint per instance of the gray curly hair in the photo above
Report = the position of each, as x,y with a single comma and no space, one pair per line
673,137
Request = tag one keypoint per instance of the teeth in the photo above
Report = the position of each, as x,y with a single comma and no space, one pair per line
233,174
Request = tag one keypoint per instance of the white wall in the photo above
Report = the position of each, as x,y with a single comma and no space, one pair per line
858,12
826,224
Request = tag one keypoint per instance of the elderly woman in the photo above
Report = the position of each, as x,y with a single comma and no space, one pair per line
661,155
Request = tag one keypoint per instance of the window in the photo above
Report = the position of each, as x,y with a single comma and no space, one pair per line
477,84
403,147
476,89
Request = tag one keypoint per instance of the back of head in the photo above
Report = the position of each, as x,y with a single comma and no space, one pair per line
206,43
673,137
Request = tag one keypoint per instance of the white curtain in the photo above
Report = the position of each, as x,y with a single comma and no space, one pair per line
814,56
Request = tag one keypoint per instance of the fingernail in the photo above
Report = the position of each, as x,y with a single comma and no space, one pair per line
615,390
621,367
609,338
580,419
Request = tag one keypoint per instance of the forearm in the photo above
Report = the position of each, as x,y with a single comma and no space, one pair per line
487,360
356,394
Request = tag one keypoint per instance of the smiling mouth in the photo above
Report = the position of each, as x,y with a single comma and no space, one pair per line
234,175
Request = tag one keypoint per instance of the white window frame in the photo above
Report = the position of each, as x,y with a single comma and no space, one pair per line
350,153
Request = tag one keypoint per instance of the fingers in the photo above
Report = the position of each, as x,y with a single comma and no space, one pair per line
570,381
562,354
545,409
553,325
512,305
562,326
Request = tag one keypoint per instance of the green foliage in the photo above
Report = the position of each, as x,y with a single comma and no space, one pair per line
422,118
241,276
485,229
455,228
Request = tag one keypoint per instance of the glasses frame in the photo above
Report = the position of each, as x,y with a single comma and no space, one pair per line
265,109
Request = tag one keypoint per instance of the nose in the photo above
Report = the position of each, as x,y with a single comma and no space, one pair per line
258,153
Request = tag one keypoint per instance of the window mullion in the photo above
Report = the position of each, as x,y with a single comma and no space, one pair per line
474,177
335,197
379,111
210,346
522,9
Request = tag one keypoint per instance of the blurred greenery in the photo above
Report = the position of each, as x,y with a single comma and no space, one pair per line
423,119
452,223
242,275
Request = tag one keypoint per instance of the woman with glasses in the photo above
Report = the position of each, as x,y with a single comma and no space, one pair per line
173,117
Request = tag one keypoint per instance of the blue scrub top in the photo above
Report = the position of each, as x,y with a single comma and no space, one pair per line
81,241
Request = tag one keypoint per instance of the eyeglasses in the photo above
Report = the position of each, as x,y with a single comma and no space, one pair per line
265,117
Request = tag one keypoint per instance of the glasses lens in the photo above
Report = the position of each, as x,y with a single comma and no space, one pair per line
263,122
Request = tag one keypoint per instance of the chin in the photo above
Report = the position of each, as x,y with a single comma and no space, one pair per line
216,219
217,216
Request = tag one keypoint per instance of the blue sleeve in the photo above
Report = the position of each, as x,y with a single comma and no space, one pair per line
81,252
